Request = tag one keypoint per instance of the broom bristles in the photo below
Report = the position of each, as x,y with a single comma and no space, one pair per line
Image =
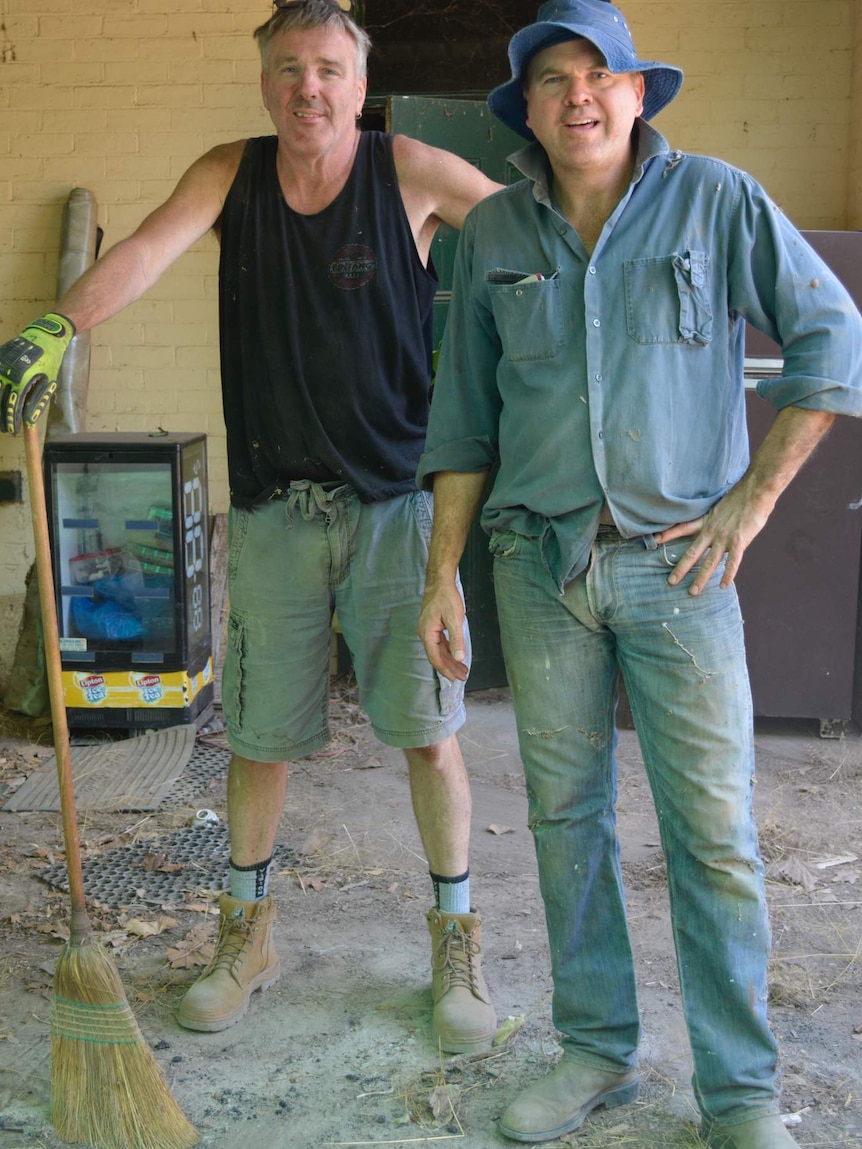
107,1089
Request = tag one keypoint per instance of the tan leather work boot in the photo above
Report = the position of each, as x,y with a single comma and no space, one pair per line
464,1020
559,1103
244,960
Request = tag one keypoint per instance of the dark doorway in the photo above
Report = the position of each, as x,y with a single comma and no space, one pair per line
441,46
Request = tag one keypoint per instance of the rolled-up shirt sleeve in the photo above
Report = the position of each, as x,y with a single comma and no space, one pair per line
782,287
463,429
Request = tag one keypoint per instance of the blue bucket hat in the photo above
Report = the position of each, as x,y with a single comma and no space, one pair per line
603,25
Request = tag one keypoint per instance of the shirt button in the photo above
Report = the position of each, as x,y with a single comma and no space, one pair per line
592,271
599,377
597,323
601,434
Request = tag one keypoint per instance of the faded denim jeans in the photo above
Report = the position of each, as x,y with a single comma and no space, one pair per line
682,660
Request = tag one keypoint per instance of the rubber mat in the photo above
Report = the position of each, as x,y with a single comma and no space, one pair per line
135,774
205,772
167,870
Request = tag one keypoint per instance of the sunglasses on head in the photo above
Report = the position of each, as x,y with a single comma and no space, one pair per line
344,5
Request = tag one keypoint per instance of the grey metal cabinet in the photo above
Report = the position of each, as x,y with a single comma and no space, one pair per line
799,583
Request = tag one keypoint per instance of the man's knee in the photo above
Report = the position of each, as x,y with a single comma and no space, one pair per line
441,756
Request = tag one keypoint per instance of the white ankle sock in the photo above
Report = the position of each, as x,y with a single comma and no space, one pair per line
250,883
452,895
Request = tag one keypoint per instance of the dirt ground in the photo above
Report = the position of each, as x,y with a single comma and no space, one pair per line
340,1052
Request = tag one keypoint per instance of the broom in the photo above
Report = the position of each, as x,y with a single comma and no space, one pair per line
107,1089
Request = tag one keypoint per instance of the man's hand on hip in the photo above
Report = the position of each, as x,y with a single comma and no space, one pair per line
726,530
729,526
29,365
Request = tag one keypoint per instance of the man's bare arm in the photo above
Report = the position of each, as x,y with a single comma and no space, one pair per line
134,264
457,496
436,187
735,520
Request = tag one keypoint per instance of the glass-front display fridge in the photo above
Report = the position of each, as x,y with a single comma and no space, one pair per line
128,519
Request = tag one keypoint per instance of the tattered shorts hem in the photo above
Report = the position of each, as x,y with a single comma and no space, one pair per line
273,754
427,736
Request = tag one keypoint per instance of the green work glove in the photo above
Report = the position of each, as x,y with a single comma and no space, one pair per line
29,365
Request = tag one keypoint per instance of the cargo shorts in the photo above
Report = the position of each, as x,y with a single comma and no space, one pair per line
292,562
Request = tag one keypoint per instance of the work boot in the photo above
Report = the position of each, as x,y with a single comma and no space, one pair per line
464,1020
560,1102
760,1133
244,960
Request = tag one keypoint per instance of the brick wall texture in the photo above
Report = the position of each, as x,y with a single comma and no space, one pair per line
119,96
854,182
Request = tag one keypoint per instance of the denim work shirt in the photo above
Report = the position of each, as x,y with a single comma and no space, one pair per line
618,377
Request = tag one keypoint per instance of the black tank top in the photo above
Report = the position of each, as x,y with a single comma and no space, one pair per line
325,332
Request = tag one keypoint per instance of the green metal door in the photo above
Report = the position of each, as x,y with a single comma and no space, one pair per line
467,128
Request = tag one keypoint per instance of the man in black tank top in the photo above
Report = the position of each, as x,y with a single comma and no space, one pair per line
325,302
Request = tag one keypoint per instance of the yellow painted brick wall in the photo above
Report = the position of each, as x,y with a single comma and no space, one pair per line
121,95
767,88
854,183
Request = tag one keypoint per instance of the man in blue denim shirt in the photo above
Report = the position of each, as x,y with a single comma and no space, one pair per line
594,352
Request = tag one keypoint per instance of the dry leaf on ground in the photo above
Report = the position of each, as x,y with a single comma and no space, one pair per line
142,929
195,949
443,1100
795,872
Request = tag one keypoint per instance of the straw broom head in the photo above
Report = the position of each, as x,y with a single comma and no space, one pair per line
107,1089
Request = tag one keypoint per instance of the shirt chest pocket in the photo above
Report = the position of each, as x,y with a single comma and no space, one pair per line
528,316
668,299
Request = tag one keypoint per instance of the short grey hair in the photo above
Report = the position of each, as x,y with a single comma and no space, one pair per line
304,14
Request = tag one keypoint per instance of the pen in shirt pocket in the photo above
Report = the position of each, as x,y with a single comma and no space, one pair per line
537,278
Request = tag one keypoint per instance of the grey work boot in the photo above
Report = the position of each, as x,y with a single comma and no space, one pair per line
760,1133
464,1019
560,1102
244,960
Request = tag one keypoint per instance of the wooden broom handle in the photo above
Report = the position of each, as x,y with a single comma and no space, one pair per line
53,665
